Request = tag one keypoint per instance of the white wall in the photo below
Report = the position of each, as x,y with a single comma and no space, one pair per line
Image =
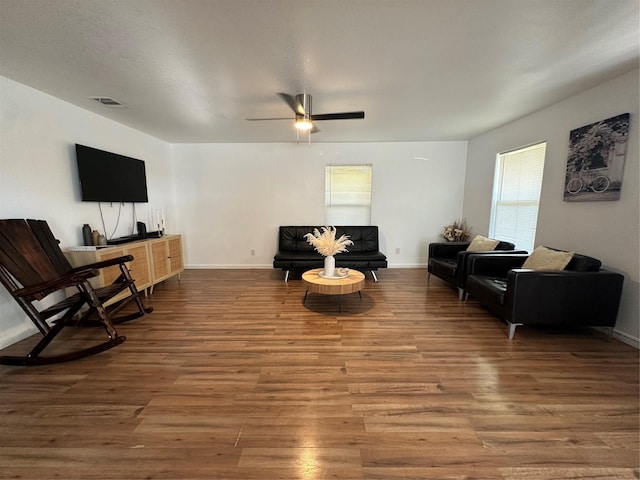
608,231
38,176
233,197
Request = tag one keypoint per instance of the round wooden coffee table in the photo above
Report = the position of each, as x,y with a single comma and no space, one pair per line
314,283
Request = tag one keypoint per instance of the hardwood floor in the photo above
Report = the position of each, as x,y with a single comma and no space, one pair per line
232,377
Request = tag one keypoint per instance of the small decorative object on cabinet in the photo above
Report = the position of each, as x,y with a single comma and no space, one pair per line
86,235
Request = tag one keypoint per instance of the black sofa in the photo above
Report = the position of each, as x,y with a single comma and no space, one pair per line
448,261
582,294
296,254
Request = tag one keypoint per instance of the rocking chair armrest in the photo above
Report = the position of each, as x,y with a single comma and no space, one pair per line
43,289
103,264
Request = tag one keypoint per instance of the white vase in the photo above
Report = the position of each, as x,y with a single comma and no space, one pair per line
329,266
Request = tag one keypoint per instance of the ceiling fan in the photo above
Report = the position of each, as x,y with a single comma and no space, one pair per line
303,118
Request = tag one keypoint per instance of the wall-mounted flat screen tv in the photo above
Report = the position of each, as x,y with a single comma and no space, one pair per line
109,177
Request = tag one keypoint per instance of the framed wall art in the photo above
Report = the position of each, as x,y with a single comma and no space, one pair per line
596,160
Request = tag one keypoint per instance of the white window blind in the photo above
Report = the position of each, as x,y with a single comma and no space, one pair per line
516,195
348,194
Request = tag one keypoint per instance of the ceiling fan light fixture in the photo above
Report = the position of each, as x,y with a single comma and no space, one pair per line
304,121
304,124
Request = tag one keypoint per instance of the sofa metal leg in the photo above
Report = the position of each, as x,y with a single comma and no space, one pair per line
611,331
428,277
460,293
286,276
373,274
512,329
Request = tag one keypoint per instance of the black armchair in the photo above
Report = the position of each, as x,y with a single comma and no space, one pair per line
582,294
448,261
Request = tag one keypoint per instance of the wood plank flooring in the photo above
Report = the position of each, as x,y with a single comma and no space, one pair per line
232,377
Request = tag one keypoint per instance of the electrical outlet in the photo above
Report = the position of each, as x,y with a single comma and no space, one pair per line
397,251
253,252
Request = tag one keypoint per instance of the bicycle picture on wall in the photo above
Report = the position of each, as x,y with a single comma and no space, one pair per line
596,160
589,180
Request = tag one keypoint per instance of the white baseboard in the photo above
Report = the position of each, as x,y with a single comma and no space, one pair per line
618,335
229,266
626,338
17,333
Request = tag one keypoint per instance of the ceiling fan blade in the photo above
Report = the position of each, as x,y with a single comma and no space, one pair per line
338,116
293,104
259,119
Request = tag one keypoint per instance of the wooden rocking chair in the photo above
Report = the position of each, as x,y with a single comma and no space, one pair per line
32,267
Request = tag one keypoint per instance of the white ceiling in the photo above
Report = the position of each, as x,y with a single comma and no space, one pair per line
422,70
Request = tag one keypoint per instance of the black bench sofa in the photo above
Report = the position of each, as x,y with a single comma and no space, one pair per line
583,294
296,254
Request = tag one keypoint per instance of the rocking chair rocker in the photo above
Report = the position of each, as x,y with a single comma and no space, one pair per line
32,267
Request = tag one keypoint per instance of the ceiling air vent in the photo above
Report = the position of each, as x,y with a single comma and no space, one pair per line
107,101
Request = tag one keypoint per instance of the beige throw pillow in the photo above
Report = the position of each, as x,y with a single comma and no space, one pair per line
480,244
543,258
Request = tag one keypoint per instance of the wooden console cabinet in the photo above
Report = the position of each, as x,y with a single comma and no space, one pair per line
166,258
154,260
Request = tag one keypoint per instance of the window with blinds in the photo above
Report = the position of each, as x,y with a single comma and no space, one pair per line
348,194
516,195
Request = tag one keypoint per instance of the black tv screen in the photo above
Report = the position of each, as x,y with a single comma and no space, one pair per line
109,177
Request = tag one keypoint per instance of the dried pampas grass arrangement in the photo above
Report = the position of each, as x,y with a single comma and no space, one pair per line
326,243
